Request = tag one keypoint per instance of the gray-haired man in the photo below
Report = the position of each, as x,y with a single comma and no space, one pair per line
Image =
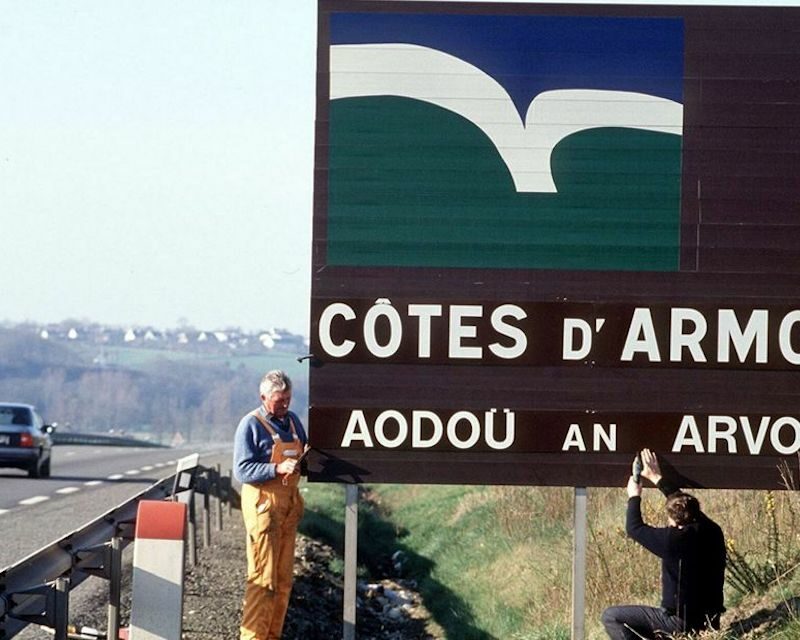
268,442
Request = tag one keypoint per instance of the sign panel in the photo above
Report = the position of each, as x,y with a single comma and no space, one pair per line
546,236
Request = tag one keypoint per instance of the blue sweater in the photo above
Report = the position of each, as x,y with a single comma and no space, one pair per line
252,446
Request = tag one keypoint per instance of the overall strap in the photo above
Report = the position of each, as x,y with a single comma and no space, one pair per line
292,427
265,423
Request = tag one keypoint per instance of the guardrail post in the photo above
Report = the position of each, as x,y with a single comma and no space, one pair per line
218,494
191,526
61,608
229,491
207,510
114,587
105,561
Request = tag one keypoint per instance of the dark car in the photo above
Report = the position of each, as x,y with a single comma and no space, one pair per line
25,441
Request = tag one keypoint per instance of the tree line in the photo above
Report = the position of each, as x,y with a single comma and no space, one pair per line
200,399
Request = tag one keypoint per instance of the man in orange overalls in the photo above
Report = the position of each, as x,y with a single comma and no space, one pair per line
267,445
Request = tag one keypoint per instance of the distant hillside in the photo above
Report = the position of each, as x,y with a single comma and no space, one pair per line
196,383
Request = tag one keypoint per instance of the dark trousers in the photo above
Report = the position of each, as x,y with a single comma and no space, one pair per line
634,622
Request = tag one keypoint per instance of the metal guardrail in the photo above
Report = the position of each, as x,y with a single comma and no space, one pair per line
36,589
68,437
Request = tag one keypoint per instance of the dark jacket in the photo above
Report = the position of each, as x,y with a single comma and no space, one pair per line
692,562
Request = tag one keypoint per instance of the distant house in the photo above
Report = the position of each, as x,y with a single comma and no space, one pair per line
267,340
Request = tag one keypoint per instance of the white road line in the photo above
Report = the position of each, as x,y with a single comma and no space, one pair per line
70,453
66,490
132,472
147,468
2,511
93,483
34,500
160,464
116,476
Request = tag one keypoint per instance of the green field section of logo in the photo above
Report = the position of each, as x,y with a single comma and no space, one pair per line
413,184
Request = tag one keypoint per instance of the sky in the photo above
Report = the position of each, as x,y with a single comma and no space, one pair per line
156,161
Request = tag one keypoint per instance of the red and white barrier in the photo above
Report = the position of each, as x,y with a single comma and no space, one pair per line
157,600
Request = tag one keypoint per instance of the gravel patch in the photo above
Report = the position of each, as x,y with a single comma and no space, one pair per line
386,609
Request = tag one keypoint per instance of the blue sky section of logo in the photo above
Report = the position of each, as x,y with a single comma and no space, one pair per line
542,91
531,54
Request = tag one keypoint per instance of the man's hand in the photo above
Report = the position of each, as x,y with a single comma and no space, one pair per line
634,488
651,469
287,467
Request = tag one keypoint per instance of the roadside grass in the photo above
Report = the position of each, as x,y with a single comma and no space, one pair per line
496,562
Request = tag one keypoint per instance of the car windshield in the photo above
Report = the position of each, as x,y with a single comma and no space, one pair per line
15,415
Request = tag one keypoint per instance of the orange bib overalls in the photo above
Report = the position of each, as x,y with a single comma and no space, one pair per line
271,512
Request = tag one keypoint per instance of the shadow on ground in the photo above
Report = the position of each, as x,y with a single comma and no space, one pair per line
764,618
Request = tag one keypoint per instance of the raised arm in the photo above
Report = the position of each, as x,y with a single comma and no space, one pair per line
652,471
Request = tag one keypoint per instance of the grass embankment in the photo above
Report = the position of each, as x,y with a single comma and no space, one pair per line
496,562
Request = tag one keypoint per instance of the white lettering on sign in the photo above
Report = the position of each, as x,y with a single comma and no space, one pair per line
641,337
357,430
731,333
462,430
687,328
510,430
459,331
520,340
580,331
785,337
577,330
477,332
721,431
418,439
459,321
424,312
603,439
331,312
383,309
401,434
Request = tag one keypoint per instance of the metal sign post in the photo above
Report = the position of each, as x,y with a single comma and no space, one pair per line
350,560
579,565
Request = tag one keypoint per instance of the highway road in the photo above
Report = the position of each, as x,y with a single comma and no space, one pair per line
86,482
